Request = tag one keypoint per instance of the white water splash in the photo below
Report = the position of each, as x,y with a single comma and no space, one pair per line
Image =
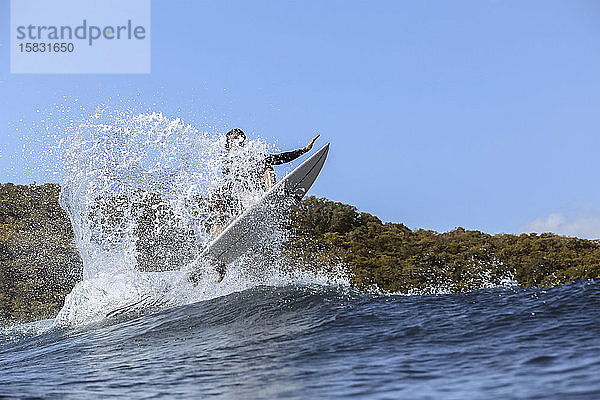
139,191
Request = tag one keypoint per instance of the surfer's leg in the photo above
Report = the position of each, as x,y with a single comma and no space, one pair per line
220,205
268,178
216,229
221,269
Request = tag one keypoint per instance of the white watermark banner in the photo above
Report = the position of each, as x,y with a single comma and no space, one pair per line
80,36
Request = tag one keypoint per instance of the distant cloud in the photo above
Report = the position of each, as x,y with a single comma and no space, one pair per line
583,226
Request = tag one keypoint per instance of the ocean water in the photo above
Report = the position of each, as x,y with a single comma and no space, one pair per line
315,341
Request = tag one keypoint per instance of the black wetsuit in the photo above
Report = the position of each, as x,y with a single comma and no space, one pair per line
282,158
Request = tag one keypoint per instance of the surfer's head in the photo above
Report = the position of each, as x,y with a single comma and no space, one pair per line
235,137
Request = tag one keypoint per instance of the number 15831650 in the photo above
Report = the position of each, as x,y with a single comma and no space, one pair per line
46,47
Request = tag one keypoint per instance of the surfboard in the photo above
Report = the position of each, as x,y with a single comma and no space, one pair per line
253,226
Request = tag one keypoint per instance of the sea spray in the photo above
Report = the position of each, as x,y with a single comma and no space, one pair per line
140,191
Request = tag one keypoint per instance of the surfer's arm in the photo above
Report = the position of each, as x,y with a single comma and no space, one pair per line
286,157
282,158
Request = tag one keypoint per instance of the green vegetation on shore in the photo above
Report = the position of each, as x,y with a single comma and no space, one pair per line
397,259
39,264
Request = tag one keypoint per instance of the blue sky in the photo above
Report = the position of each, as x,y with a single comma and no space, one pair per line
481,114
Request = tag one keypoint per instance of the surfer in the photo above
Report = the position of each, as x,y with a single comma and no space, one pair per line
237,137
239,168
225,202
